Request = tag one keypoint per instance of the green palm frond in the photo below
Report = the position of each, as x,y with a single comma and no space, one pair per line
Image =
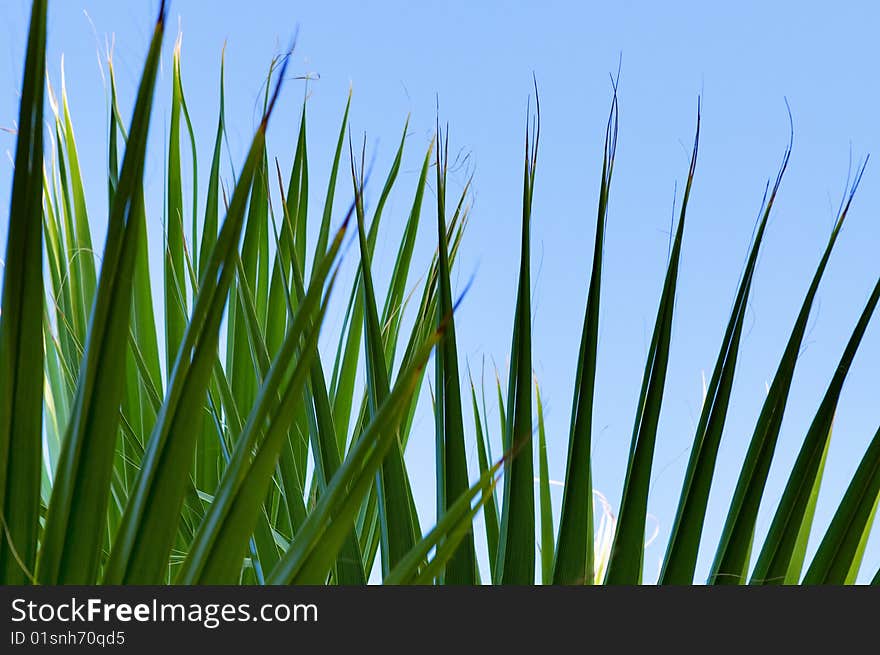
259,458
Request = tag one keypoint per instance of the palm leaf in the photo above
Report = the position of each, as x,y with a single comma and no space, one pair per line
628,548
684,541
452,473
547,547
516,544
574,553
21,330
731,558
396,516
145,536
217,550
316,545
774,562
844,540
75,526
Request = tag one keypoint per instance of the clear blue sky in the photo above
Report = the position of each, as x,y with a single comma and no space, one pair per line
478,58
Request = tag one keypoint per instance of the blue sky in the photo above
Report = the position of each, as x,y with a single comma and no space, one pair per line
477,59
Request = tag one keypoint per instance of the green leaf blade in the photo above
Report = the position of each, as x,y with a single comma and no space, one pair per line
21,326
82,485
627,550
